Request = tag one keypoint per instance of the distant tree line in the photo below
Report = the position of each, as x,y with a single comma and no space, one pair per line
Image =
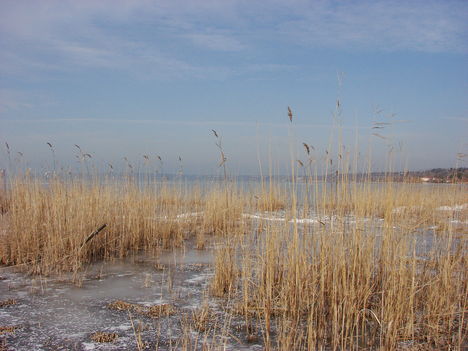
442,175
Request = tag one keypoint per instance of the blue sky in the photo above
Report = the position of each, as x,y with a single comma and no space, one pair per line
128,78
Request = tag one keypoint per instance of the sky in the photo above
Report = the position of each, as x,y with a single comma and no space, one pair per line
125,78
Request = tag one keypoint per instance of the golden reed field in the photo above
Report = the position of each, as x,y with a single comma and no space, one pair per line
299,263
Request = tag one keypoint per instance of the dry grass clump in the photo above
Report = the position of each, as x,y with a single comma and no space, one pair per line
155,311
202,317
8,302
160,267
4,329
272,198
120,305
245,308
226,273
222,210
102,337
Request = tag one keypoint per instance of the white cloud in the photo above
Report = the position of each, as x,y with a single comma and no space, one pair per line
428,26
52,34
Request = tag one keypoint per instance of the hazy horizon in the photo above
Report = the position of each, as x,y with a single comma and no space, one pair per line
127,79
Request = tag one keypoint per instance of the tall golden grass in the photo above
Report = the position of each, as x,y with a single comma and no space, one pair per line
367,276
344,265
47,223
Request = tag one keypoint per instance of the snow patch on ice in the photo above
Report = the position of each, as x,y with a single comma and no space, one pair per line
199,278
122,327
457,221
452,208
314,219
305,220
189,214
399,209
265,218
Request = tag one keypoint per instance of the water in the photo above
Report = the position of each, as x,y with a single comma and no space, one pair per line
55,314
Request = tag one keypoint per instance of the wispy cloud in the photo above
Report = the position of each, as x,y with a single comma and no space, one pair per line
82,34
430,26
51,34
217,42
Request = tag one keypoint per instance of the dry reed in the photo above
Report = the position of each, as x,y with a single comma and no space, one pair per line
346,264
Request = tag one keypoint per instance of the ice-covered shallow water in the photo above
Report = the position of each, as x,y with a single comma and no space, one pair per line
54,314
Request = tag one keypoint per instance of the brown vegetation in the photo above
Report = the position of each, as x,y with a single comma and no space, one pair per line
8,302
4,329
341,265
104,337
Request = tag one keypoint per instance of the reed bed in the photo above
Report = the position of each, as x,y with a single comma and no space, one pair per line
367,276
310,265
47,224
